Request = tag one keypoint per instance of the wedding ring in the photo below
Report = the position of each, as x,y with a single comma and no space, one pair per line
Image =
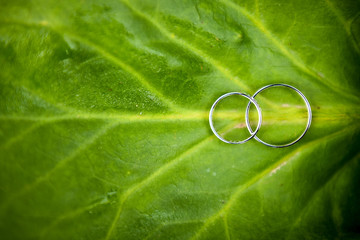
252,100
308,110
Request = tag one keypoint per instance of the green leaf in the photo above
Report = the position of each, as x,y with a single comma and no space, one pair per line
104,128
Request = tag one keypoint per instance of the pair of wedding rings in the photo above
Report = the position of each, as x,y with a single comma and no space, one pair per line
253,101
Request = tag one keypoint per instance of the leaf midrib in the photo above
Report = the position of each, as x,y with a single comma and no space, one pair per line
186,116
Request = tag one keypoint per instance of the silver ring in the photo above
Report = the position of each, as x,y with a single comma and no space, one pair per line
308,109
252,100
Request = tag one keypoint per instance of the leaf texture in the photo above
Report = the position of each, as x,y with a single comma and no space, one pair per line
104,119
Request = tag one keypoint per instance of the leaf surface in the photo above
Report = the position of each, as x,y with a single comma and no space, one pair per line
104,128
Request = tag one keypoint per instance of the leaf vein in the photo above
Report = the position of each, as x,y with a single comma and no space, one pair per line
259,176
62,162
186,45
226,227
287,53
107,55
312,197
343,22
166,167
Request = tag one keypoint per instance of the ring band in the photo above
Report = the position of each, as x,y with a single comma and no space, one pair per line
308,110
252,100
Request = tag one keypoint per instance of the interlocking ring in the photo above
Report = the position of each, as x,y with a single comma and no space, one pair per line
252,100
